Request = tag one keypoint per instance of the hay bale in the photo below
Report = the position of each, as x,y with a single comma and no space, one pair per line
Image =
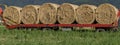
12,15
85,14
66,13
30,14
47,13
106,14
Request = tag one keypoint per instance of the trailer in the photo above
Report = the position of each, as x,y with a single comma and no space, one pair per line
113,26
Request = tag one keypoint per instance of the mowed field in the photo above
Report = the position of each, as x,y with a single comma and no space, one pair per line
50,37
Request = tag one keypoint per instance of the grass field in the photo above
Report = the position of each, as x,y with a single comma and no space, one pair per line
50,37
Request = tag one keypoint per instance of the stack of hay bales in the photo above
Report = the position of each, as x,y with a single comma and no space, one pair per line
106,14
85,14
12,15
48,13
30,14
66,13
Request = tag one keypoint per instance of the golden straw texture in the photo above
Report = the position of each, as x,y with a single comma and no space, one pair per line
106,14
47,13
66,13
85,14
12,15
30,14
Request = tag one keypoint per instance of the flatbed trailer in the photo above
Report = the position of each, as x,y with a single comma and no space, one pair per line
113,25
62,25
106,26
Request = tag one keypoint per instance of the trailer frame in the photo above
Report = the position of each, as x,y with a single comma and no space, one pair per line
113,25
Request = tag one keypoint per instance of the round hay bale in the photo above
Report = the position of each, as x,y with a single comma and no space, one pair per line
12,15
106,13
66,13
30,14
85,14
47,13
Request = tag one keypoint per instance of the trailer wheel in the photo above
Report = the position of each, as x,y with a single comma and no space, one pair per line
55,28
114,29
119,23
65,29
100,30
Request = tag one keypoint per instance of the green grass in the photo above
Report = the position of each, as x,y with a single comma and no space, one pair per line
50,37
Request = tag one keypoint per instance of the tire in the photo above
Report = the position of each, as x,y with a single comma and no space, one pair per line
114,29
119,23
100,30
